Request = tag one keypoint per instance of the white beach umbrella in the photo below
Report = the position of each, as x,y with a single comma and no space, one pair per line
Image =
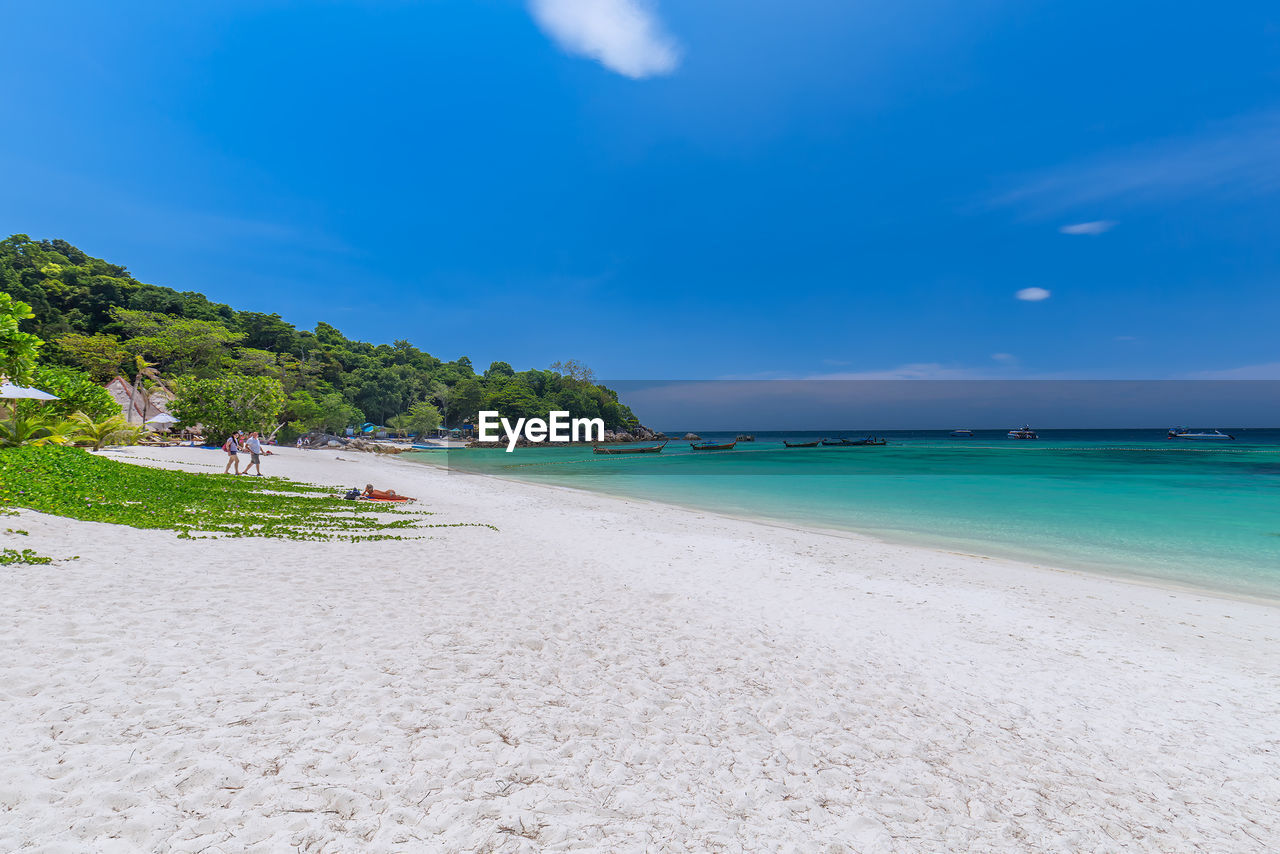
9,391
162,418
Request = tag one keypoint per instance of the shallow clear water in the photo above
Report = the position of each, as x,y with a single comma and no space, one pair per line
1120,501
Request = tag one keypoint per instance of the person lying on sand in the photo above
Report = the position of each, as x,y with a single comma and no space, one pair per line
382,494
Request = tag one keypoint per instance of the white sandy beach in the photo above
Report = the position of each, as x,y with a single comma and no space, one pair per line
610,675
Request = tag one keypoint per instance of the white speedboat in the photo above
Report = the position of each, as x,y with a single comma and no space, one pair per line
961,433
1023,432
1209,435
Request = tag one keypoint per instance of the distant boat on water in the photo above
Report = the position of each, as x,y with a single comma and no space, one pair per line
812,444
713,446
1211,435
843,442
647,449
961,433
1023,432
745,437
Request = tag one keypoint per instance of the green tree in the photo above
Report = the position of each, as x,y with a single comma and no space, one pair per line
17,348
400,425
146,382
515,400
329,412
177,344
76,393
499,369
226,404
423,417
101,356
574,369
253,363
467,396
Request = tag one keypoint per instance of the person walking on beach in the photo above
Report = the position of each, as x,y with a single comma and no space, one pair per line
255,449
233,452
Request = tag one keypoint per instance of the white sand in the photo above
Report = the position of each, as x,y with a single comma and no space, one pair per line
612,675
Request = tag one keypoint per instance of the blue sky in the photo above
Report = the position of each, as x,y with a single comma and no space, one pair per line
697,190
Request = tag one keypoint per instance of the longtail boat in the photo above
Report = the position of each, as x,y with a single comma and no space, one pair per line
713,446
648,449
812,444
848,443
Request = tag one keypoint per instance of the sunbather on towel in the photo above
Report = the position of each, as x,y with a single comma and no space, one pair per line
382,494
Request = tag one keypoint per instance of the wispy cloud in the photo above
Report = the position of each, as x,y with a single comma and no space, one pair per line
1004,358
1033,294
911,371
1240,157
1267,371
1096,227
623,35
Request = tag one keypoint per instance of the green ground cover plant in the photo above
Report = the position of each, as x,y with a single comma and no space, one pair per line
8,557
71,482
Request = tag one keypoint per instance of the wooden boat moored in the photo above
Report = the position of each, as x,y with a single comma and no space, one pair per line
849,443
713,446
647,449
812,444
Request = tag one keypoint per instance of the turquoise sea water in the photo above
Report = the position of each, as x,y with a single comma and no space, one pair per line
1118,501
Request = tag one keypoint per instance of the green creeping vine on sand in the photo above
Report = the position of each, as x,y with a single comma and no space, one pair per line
73,483
12,556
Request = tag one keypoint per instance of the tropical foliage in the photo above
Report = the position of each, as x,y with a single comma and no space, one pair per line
17,348
99,319
27,424
76,392
112,430
229,403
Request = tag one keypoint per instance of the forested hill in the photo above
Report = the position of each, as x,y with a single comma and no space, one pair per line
96,317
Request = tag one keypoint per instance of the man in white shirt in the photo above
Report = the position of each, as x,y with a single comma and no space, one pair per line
255,448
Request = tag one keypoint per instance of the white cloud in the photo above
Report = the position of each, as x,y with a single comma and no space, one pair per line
1005,358
1032,294
623,35
1096,227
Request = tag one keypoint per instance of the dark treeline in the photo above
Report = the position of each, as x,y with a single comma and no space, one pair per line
95,317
